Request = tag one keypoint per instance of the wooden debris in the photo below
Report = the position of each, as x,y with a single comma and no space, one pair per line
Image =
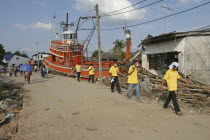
196,95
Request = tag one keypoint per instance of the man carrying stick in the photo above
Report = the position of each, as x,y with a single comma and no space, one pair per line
133,80
171,78
114,72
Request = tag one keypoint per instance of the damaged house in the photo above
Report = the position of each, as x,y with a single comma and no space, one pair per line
190,49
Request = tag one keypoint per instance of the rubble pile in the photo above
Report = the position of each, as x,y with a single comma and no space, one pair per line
11,101
194,95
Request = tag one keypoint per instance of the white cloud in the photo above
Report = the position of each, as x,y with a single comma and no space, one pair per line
88,6
189,1
38,25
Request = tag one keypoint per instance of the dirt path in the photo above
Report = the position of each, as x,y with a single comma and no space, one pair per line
61,108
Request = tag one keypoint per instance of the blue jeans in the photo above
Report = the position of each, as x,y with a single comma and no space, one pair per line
130,86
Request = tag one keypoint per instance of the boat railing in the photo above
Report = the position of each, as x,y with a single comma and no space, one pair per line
61,47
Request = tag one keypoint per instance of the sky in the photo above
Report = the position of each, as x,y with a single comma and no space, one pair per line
23,23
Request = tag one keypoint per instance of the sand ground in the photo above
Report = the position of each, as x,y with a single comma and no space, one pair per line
60,108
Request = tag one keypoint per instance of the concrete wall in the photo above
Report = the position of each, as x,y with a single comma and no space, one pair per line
40,56
164,47
17,60
197,58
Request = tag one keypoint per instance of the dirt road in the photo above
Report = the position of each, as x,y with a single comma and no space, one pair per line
61,108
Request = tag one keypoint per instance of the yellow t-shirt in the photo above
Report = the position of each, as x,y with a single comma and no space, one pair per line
91,70
171,78
114,71
133,78
78,68
35,67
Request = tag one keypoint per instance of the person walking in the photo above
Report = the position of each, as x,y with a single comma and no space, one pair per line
114,71
78,68
16,71
10,70
43,71
91,73
133,81
5,70
171,78
28,76
35,68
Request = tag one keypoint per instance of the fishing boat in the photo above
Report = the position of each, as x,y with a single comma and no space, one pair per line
67,52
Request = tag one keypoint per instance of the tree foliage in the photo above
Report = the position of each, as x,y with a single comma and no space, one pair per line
2,53
122,56
23,54
95,53
118,46
9,52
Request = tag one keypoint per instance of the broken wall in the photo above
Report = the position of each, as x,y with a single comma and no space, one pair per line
197,58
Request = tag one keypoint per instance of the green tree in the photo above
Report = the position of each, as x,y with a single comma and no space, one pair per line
122,55
23,54
118,46
95,53
2,53
9,52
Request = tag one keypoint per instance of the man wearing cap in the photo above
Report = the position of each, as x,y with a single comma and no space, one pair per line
171,78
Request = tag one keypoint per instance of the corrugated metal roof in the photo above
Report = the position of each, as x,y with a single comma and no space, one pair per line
173,36
8,57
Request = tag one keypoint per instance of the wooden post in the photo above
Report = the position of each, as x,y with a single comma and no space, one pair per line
99,45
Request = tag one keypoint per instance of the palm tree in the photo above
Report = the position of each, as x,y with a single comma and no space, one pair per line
118,46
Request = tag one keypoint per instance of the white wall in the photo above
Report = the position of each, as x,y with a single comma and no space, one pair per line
197,58
164,47
40,56
17,60
194,56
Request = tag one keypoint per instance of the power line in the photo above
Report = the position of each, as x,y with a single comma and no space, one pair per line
160,18
132,9
92,10
203,28
124,8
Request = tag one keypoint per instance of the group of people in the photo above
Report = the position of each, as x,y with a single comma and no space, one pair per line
10,70
171,77
91,70
132,77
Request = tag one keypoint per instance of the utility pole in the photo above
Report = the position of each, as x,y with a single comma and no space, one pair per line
99,45
37,43
166,9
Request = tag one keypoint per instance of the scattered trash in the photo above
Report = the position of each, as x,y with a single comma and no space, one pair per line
11,101
75,113
10,115
91,129
46,109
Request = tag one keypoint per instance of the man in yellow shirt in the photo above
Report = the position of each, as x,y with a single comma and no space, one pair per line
171,78
78,70
91,73
133,80
35,68
114,71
